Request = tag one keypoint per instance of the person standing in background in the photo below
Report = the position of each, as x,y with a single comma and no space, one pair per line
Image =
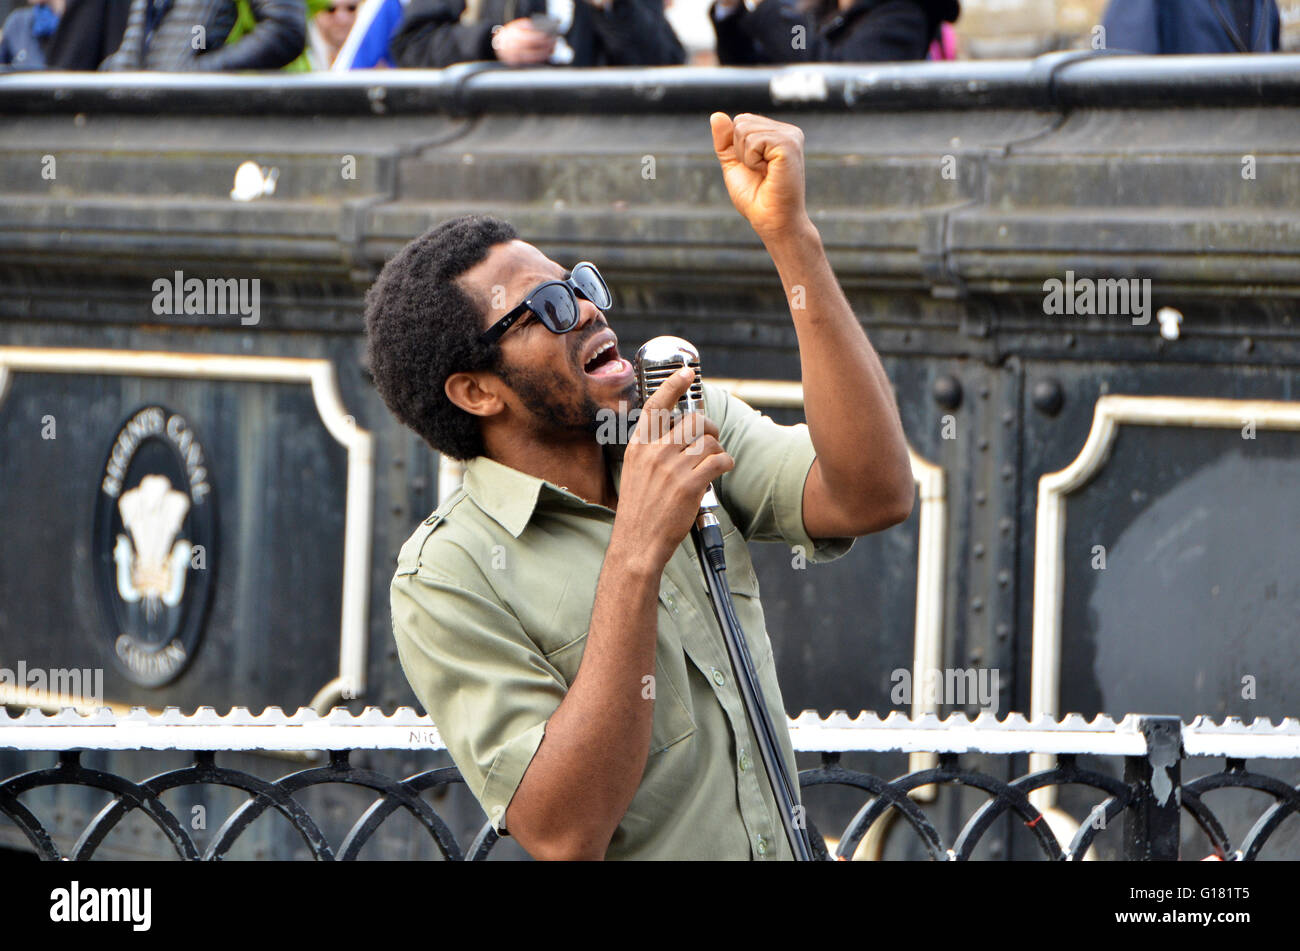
89,31
438,33
1193,26
827,31
328,31
184,35
63,34
28,33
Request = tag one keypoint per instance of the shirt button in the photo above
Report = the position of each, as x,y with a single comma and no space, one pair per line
762,845
744,761
718,677
672,604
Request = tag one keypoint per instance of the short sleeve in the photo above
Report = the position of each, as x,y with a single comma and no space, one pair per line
482,680
763,494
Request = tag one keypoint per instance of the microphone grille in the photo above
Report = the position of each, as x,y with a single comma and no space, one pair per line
659,359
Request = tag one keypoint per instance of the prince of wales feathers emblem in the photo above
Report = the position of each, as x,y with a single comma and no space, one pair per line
149,566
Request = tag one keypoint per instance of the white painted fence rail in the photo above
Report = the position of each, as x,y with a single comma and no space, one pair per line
404,729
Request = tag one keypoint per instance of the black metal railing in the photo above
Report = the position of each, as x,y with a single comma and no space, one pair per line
1149,801
278,795
1065,80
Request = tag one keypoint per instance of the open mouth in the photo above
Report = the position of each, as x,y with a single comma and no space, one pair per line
606,361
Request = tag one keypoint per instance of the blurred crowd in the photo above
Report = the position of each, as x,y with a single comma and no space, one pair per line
305,35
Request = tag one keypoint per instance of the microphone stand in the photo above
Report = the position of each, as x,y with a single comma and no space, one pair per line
709,549
655,362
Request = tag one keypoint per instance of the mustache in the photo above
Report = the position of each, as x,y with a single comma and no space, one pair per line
575,346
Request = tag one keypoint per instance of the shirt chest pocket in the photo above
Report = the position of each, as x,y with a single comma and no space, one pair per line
672,717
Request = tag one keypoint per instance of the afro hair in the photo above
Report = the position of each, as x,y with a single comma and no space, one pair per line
421,327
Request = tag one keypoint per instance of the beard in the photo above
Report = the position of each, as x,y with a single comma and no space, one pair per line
552,400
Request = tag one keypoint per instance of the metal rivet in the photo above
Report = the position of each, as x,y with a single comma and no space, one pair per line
947,392
1048,397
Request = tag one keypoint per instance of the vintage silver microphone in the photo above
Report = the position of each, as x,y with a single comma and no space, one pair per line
657,360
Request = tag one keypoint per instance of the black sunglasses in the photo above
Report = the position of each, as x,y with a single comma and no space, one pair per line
556,303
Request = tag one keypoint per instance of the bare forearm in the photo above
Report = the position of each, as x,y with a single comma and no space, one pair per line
848,400
593,754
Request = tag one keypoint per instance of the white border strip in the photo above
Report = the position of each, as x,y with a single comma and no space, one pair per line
1049,532
319,373
273,730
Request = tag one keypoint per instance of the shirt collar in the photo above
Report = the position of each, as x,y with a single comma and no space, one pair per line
509,496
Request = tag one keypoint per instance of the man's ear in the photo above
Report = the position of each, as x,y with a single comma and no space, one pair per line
478,394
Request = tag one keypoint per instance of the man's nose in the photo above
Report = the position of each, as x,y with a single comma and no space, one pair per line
588,313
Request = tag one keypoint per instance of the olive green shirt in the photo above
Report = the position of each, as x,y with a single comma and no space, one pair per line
491,603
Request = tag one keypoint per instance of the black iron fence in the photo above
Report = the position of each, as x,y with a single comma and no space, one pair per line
1145,807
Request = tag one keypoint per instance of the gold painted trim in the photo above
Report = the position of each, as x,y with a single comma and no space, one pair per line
1110,413
359,443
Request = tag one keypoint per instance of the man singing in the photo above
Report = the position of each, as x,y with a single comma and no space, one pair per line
551,615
